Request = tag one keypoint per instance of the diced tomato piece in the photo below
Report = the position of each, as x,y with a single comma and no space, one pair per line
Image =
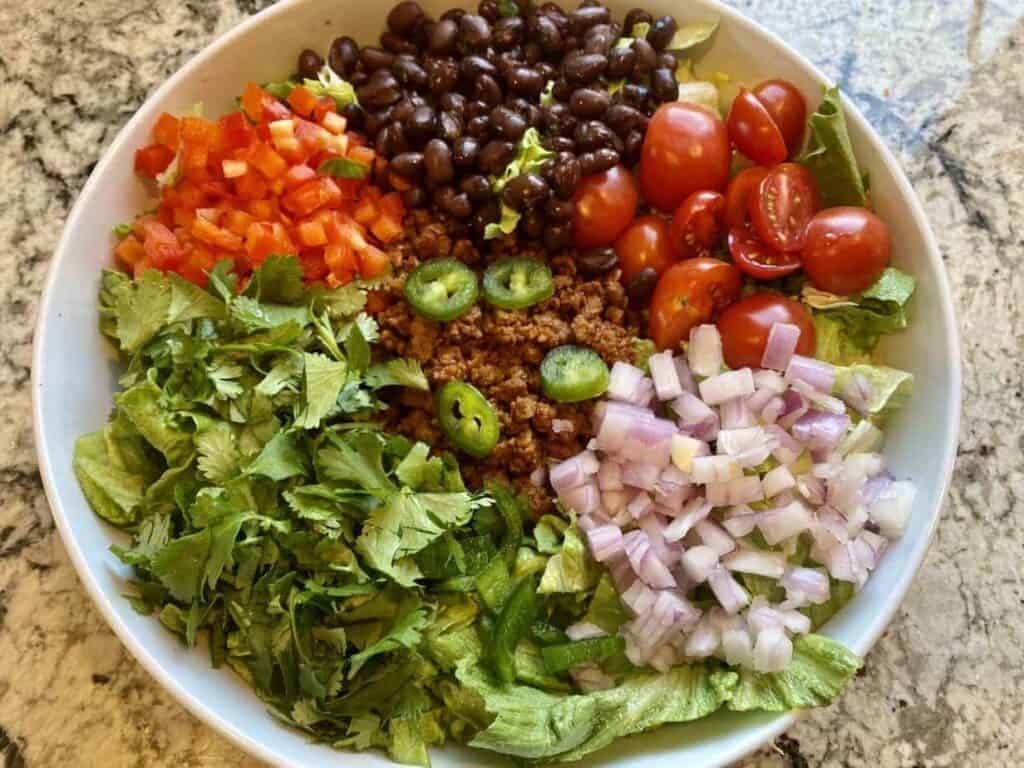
130,251
182,217
237,221
386,229
260,106
140,267
325,106
153,160
194,157
161,246
311,233
268,162
263,239
302,100
373,262
361,154
333,123
198,130
342,261
251,186
392,205
208,232
198,262
166,130
264,210
298,175
319,193
312,137
366,211
235,131
314,267
189,195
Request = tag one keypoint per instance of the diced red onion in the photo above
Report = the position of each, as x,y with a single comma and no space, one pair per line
740,490
715,536
740,520
761,616
796,622
649,442
702,642
573,472
586,522
821,400
615,501
794,406
638,597
726,386
777,480
820,430
685,375
738,647
558,426
736,413
758,562
781,523
704,353
605,542
640,505
698,563
772,410
584,631
683,449
612,421
811,488
609,476
625,383
654,572
857,392
817,373
643,476
691,514
770,380
714,469
636,545
781,344
663,372
749,446
772,652
730,595
891,509
582,500
755,404
622,572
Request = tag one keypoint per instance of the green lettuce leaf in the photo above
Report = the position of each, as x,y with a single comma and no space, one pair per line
113,493
506,223
572,569
890,388
829,155
530,155
329,83
816,675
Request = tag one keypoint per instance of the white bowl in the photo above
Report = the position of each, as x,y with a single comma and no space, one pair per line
75,371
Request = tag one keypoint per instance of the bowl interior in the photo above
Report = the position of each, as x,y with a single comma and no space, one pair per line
71,356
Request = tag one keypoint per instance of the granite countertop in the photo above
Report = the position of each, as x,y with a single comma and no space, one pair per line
942,81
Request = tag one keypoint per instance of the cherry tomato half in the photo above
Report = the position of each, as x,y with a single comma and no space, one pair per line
745,326
737,195
645,243
688,294
697,225
783,205
847,249
787,107
686,149
605,204
760,261
753,131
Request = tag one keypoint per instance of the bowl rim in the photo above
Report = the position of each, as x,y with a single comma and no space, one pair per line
743,744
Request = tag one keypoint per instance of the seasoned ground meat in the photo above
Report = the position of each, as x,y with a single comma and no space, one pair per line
500,351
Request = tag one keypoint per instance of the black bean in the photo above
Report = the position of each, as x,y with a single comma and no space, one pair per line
586,17
546,70
560,144
442,76
597,261
343,55
409,73
623,118
401,111
661,33
634,17
465,150
443,36
420,32
508,32
532,52
557,237
396,44
442,195
507,124
566,175
598,161
583,68
354,116
453,14
408,165
375,58
382,90
599,39
421,125
414,197
477,188
667,60
635,95
453,102
562,89
474,31
663,85
310,63
560,210
589,103
486,214
555,13
527,190
632,147
489,10
591,135
458,206
533,224
479,127
641,288
391,140
525,80
359,76
646,58
472,67
547,33
449,126
487,90
534,115
403,16
495,156
437,160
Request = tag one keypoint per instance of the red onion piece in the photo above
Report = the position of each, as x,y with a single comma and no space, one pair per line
730,595
714,469
772,652
605,542
609,476
772,410
891,508
704,353
782,341
817,373
758,562
820,430
640,505
698,563
685,375
777,525
582,500
694,511
625,383
654,572
663,372
741,490
726,386
643,476
777,480
740,520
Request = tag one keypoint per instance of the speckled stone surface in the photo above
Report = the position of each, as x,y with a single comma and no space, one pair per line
943,82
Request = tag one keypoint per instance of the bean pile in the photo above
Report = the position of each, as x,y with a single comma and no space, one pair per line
447,100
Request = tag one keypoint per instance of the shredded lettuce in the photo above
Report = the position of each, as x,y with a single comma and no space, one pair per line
530,155
829,155
889,388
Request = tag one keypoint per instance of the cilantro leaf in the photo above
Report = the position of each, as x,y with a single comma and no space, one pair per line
344,168
397,372
324,379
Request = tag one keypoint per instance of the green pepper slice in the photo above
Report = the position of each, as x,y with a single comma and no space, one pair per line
559,658
517,617
467,418
517,283
441,289
569,374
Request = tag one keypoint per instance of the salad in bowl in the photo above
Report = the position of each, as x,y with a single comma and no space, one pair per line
511,382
